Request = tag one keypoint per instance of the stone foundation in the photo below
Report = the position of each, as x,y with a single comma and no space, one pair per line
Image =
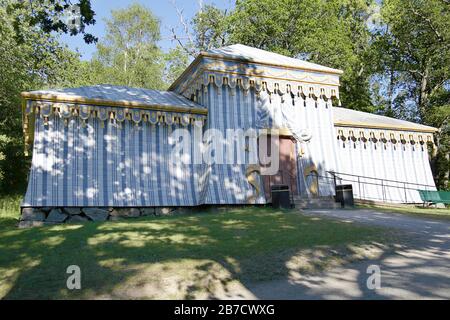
33,217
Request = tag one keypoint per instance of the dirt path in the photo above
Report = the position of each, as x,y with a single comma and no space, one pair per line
419,269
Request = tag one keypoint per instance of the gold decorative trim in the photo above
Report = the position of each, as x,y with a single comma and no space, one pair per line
313,187
388,127
250,75
284,74
226,58
25,128
198,82
185,72
110,103
377,135
45,106
217,58
45,109
249,173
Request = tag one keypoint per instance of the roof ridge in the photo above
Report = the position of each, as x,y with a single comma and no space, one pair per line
244,52
342,117
115,95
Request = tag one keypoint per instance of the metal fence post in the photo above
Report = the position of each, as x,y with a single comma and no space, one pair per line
359,187
318,186
404,188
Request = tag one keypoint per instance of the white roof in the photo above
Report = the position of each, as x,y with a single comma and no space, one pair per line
353,118
105,92
250,54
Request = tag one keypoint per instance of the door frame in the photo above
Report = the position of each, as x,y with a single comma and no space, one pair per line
267,180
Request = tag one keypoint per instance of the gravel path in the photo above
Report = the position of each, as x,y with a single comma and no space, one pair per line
419,269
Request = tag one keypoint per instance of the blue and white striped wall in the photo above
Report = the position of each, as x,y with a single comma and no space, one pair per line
99,165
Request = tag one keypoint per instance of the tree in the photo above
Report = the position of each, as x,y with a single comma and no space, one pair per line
334,33
177,60
35,61
129,54
211,28
412,43
438,115
61,16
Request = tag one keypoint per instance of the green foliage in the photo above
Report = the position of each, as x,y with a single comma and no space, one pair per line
129,54
333,33
438,115
35,60
51,16
9,210
413,51
176,61
211,28
412,43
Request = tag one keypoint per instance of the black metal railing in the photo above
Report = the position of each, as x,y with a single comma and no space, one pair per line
380,182
322,182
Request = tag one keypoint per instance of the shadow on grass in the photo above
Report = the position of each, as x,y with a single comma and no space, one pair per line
206,255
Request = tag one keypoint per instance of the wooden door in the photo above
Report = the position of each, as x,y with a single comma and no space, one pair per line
287,173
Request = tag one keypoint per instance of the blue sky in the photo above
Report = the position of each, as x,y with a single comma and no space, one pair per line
163,9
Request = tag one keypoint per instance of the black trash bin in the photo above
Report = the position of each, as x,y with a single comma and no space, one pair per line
280,196
344,195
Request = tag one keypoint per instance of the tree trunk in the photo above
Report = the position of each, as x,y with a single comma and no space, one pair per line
423,94
390,93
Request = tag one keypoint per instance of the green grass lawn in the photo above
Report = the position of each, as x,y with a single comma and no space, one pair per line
417,211
185,256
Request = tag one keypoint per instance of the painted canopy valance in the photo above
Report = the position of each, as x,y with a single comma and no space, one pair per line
365,135
258,84
117,115
110,103
115,102
45,109
245,74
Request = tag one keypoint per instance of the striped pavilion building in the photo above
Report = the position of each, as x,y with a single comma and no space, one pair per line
110,146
